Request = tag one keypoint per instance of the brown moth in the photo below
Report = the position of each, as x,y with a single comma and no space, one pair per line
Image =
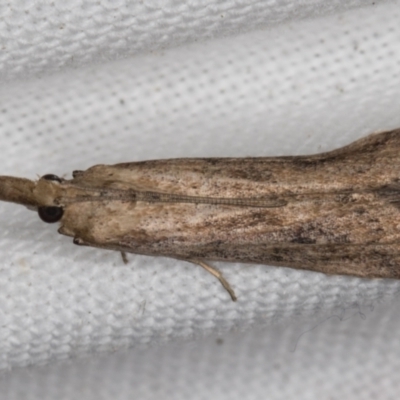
336,212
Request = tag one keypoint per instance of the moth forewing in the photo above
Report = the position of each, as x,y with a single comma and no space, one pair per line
336,212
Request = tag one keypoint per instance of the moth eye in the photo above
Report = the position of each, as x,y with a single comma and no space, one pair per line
51,177
50,214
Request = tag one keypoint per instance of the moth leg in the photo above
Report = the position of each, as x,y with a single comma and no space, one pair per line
124,257
81,242
212,270
217,274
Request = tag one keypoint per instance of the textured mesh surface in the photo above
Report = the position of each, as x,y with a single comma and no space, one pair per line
42,36
298,86
352,354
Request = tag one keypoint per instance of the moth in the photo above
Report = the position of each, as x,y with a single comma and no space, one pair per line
337,212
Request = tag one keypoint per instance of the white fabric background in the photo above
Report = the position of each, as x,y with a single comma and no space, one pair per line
105,82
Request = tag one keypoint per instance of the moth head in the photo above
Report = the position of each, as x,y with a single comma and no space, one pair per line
48,184
41,195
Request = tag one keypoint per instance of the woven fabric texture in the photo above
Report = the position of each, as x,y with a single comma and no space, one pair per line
85,83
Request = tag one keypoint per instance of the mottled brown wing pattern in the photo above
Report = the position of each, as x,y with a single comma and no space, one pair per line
336,212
